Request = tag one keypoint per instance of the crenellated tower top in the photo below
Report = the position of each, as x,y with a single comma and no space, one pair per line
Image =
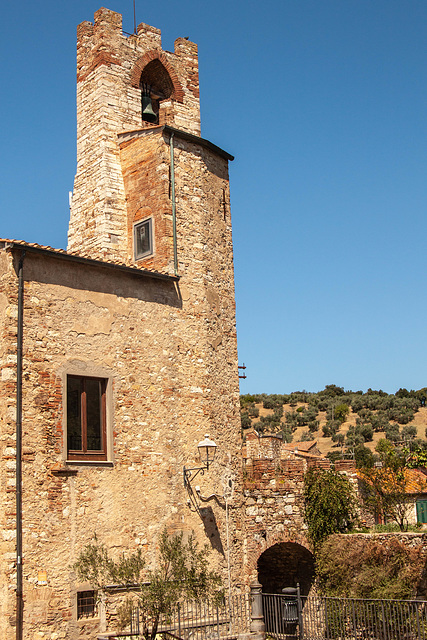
137,61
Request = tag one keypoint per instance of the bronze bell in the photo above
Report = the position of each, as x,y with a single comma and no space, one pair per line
147,108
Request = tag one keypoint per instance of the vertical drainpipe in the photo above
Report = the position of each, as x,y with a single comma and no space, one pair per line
175,251
19,593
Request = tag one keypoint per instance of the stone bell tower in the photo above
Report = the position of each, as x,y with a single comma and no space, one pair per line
148,192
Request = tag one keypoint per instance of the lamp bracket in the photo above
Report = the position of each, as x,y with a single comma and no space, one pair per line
189,475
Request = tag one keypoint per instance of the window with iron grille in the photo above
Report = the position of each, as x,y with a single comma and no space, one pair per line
86,418
86,604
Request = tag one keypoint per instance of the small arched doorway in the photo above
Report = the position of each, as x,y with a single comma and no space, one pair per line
285,565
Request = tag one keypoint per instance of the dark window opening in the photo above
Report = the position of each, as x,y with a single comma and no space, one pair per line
143,239
156,85
86,418
86,604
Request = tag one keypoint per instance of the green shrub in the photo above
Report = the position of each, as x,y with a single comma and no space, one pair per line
245,420
330,503
366,431
333,456
356,567
331,427
402,415
392,433
313,425
363,457
357,404
259,426
338,438
291,419
354,438
286,434
253,411
409,432
268,403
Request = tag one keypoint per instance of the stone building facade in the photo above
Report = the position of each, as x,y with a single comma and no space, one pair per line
129,342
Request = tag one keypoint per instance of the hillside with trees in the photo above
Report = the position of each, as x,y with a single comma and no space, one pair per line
345,424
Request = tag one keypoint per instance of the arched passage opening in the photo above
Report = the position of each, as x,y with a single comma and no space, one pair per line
284,565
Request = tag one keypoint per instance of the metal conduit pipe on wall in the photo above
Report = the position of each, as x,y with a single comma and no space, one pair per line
19,341
175,251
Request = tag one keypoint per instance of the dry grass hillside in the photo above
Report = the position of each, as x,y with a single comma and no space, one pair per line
325,443
340,422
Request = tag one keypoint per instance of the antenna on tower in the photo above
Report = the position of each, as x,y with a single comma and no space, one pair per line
134,18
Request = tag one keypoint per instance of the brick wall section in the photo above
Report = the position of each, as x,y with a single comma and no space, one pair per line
264,448
145,166
109,65
202,204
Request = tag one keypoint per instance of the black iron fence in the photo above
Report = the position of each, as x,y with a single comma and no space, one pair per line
321,618
198,620
287,616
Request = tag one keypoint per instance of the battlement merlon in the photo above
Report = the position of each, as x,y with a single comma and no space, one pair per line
106,20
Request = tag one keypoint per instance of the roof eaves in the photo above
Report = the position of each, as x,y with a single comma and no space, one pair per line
125,136
74,257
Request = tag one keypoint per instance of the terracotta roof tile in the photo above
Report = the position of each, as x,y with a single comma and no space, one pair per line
305,454
75,254
416,481
301,446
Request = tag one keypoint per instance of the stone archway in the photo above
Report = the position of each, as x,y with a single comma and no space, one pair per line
284,565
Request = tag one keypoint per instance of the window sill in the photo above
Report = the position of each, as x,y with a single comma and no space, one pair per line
70,467
88,620
89,463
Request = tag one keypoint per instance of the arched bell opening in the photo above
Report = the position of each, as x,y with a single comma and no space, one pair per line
155,85
286,564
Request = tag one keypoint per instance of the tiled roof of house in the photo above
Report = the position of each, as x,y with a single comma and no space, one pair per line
80,257
301,446
415,480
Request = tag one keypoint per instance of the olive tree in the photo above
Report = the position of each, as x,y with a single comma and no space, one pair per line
181,572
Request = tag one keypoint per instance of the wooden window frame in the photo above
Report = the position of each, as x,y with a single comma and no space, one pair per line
84,454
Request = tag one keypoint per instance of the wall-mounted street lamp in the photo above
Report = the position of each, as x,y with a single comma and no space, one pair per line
207,450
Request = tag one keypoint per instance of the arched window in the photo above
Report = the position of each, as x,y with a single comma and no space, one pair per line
155,85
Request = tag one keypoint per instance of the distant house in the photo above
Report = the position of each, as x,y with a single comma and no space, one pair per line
408,492
302,448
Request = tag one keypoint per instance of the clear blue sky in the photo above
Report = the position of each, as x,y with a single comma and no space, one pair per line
323,103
